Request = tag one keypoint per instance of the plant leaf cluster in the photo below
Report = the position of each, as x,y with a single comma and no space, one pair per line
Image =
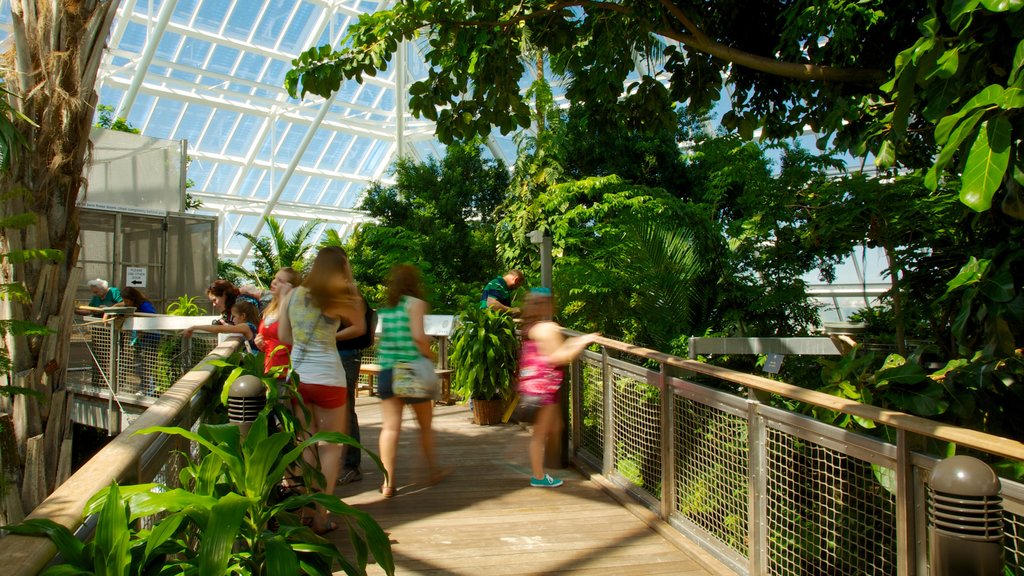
485,355
227,518
272,251
439,215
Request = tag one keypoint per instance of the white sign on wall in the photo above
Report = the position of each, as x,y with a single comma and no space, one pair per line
135,276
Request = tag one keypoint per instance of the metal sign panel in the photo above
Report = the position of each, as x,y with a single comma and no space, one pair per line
136,276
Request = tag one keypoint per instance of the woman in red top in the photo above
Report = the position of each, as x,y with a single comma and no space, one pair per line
267,339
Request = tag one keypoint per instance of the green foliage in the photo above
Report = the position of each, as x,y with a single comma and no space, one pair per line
440,216
107,120
770,50
963,77
227,519
273,251
17,292
12,141
485,355
185,305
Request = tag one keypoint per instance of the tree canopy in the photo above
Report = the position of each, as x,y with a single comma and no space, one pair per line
440,216
892,78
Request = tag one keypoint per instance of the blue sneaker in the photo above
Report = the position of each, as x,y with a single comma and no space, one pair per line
546,482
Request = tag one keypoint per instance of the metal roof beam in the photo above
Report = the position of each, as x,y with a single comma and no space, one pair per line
276,195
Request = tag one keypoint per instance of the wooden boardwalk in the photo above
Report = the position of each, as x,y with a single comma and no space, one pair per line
485,519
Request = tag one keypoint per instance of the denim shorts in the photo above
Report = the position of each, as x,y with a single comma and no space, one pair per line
385,391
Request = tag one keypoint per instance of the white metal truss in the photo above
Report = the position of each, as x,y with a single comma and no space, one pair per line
255,151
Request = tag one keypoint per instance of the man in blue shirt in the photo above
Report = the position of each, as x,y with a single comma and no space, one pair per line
497,293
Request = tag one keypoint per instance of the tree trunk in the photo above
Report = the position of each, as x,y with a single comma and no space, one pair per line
57,47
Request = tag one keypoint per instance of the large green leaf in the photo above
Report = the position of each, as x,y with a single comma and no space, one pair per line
260,464
165,530
1002,5
231,460
281,559
70,547
221,533
986,164
111,557
149,499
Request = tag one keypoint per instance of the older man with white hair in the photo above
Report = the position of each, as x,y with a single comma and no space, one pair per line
103,296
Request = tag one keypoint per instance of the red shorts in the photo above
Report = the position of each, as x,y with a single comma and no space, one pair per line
323,396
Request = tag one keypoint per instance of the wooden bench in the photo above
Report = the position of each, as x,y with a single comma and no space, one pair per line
371,371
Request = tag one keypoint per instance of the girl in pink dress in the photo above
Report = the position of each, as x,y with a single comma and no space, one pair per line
544,352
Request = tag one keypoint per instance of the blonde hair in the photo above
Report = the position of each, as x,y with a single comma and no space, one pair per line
295,279
330,283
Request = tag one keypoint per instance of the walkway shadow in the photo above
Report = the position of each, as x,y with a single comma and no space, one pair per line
486,519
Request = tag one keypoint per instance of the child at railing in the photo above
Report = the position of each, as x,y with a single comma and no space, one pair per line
245,315
540,374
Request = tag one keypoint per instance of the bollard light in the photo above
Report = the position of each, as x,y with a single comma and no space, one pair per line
246,397
966,518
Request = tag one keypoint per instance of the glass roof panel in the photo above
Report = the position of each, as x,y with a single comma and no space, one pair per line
210,16
314,188
216,134
167,49
251,181
270,27
192,123
289,145
293,188
193,52
216,79
134,38
183,11
222,178
317,147
296,38
224,60
242,20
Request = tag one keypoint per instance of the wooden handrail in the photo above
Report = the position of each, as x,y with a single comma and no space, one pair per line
902,421
118,460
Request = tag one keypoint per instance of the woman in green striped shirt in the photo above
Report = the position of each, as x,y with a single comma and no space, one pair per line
402,340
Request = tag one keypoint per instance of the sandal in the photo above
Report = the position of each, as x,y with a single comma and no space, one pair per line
388,491
440,474
331,526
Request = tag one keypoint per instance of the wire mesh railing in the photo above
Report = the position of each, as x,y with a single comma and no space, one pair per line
764,489
128,458
141,363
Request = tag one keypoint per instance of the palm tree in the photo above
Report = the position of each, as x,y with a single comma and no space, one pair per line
671,296
49,98
275,250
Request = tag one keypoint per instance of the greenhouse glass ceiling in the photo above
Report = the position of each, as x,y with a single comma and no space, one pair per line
211,72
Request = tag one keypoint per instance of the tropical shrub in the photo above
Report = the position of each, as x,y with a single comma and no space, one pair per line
485,355
226,520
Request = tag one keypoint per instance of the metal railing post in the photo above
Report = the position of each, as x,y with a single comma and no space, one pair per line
113,414
668,444
908,547
608,460
757,484
577,406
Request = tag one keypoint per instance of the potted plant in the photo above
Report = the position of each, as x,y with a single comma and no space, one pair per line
485,360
